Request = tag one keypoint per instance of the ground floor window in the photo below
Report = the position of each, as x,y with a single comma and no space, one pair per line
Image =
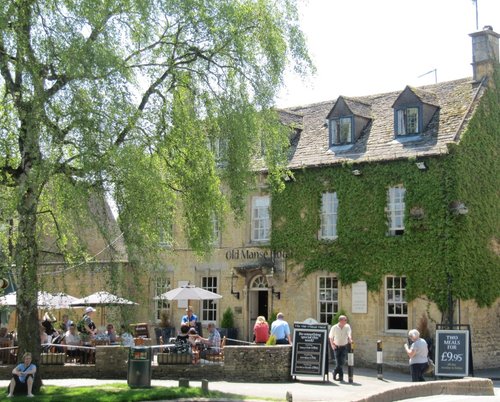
161,284
395,302
328,298
209,307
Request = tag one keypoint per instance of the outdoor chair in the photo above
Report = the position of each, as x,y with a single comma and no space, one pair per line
217,357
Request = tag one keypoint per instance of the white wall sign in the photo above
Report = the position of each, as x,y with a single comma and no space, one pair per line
359,297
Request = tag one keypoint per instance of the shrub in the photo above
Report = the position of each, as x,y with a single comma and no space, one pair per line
227,319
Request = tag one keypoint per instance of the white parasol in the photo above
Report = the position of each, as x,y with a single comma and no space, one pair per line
188,292
102,299
45,300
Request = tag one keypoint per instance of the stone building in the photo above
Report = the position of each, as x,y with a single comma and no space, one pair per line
392,159
381,217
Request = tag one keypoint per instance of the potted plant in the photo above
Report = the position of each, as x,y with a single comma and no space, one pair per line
227,327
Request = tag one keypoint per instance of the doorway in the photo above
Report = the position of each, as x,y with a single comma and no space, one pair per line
258,303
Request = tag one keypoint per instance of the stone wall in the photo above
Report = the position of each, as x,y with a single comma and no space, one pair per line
258,363
241,363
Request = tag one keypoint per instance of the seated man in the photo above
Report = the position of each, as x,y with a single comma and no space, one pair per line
189,319
111,333
72,339
212,343
22,377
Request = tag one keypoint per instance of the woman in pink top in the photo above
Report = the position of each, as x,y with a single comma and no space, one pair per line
261,330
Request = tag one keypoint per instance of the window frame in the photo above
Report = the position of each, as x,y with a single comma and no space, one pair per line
402,302
216,232
158,289
328,210
260,223
331,304
401,122
209,309
396,210
335,130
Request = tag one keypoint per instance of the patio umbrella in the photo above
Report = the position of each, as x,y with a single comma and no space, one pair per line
55,301
102,299
188,292
45,300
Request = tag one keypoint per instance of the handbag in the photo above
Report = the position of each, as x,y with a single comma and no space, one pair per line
430,366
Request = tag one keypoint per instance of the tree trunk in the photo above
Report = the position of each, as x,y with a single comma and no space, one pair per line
26,251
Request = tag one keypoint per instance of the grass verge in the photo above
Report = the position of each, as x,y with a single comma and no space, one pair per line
122,393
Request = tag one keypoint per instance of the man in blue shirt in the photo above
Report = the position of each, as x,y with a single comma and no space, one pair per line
281,330
189,319
22,377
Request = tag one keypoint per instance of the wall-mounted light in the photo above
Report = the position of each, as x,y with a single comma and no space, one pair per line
235,294
275,294
421,165
356,172
459,208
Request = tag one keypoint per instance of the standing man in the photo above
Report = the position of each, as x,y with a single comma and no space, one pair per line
87,325
189,319
281,330
340,336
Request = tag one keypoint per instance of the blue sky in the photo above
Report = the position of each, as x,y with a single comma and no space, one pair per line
364,47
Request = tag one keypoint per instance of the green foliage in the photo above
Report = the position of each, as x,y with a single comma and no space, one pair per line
436,246
122,393
227,319
125,100
273,317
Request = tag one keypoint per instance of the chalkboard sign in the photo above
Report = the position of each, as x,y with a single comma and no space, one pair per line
309,350
452,353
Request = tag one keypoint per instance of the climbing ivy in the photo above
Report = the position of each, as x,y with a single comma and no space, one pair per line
439,251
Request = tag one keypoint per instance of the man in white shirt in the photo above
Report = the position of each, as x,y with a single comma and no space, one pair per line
340,337
72,339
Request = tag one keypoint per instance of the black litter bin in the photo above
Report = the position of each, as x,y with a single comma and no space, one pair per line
139,366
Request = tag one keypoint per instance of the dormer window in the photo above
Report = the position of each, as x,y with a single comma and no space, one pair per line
407,121
413,110
341,131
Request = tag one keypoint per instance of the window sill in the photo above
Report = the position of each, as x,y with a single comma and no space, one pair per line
340,148
328,239
403,139
255,243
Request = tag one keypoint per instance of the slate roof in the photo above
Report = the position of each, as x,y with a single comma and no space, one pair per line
456,99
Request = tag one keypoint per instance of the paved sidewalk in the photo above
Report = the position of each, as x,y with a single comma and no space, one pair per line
366,387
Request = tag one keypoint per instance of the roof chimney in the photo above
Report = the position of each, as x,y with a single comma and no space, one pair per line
484,52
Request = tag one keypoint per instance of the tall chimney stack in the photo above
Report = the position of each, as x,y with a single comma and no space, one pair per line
484,52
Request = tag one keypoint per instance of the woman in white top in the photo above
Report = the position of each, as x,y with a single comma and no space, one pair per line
417,353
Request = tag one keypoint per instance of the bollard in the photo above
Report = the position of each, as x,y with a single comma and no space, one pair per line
350,362
204,386
380,360
183,383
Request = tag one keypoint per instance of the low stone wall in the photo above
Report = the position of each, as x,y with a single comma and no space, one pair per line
466,386
241,364
258,363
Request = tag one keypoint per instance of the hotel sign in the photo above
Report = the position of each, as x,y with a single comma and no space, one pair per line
249,254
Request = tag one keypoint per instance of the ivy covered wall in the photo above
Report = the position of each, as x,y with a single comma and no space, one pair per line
437,250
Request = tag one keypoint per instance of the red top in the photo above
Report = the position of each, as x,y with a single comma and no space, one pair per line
261,332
